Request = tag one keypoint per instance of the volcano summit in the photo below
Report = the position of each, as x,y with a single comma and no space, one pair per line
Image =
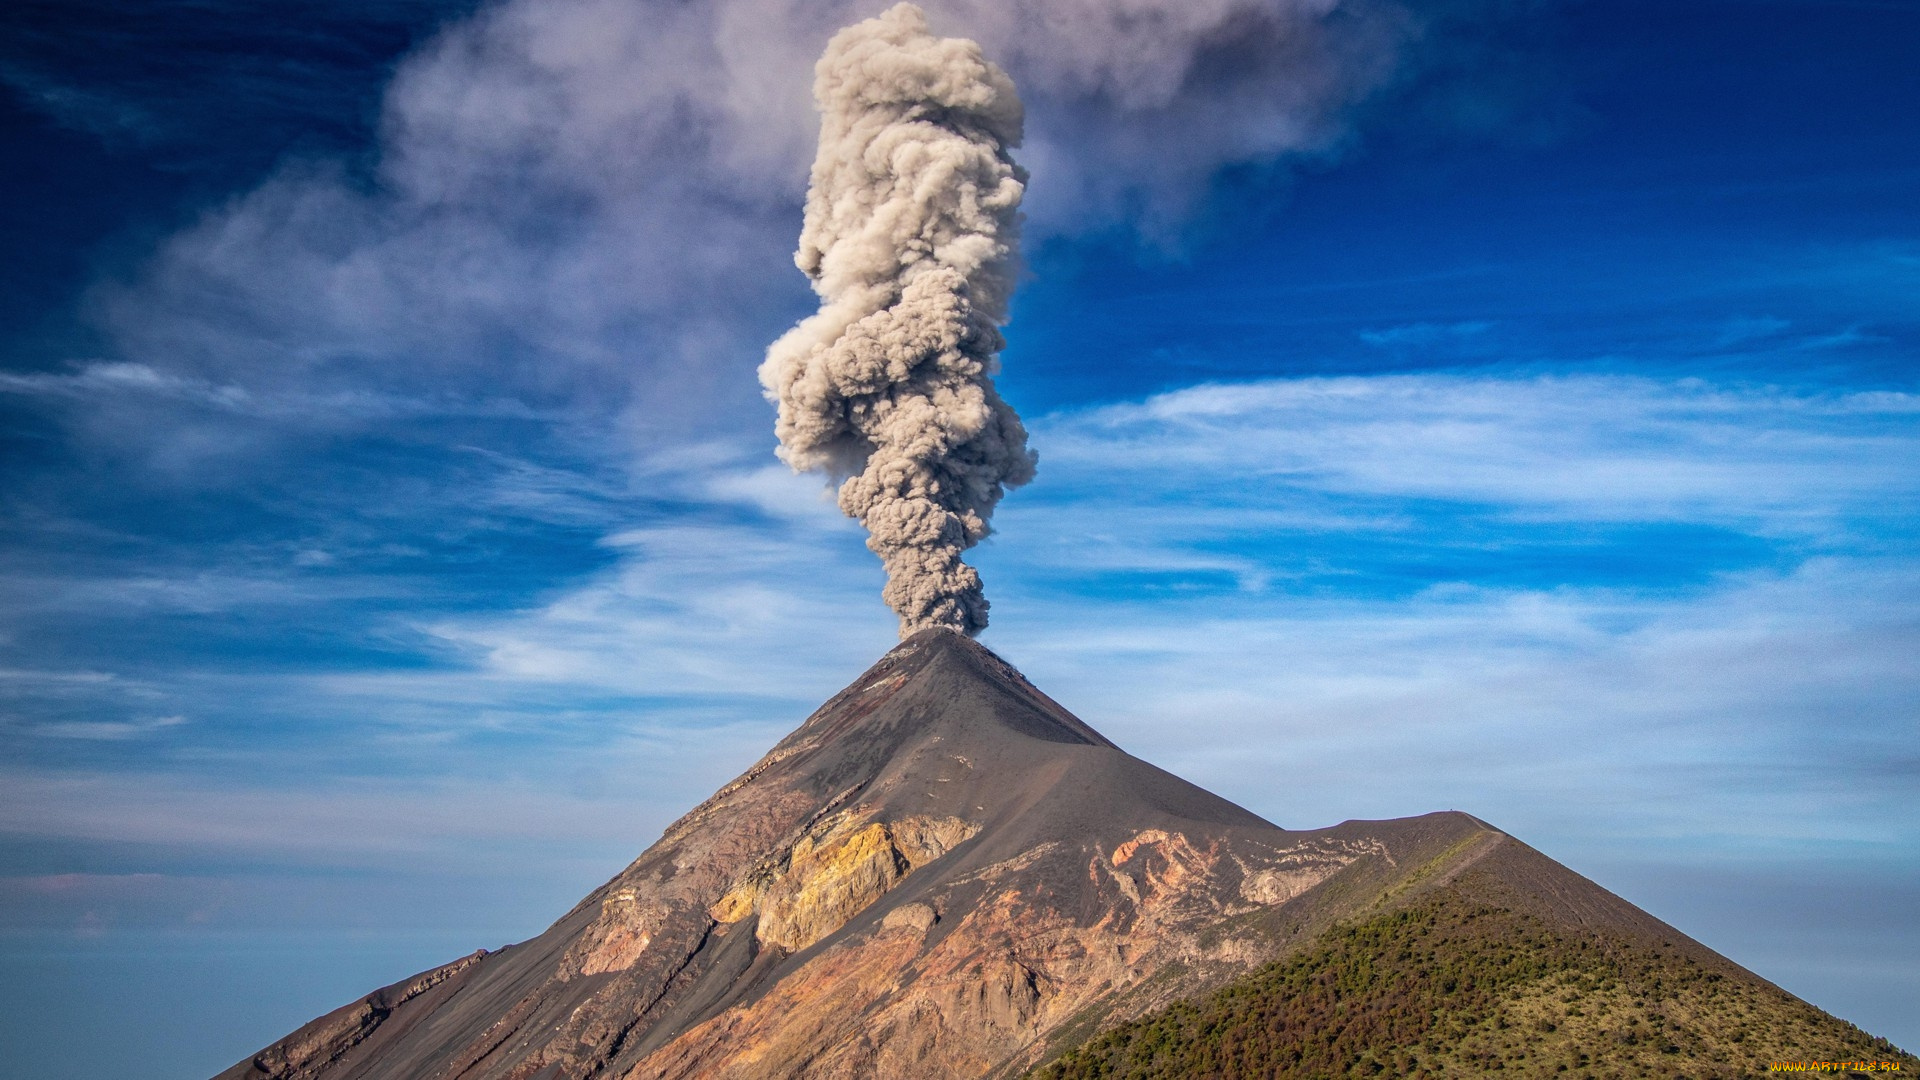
943,873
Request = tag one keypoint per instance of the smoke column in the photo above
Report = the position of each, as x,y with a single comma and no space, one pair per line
910,239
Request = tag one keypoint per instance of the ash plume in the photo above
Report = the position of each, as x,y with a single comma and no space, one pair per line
910,238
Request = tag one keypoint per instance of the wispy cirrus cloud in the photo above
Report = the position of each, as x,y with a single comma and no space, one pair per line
125,380
108,730
1204,561
1601,719
1677,600
1590,447
1425,334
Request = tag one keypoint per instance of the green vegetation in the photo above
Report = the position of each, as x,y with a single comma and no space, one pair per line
1453,987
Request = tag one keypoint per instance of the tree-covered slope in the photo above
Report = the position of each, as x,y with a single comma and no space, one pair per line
1452,986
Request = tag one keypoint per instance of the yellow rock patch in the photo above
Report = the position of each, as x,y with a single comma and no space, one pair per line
833,873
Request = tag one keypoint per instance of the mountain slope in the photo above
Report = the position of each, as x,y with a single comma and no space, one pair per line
1453,986
941,873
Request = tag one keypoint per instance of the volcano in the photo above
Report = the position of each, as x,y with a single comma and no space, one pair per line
943,873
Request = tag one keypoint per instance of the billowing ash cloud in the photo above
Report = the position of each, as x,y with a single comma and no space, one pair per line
910,239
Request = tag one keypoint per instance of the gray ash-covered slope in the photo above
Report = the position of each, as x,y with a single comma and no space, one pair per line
941,873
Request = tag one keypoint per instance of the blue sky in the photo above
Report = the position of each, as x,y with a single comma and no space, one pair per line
1487,405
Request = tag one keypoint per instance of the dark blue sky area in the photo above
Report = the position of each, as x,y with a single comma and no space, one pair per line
121,121
1710,188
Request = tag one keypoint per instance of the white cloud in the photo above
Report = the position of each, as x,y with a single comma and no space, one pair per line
1773,714
1717,707
1424,334
105,730
1717,704
1761,713
717,608
1603,448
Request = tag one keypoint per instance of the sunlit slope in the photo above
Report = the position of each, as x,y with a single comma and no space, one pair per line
1452,985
